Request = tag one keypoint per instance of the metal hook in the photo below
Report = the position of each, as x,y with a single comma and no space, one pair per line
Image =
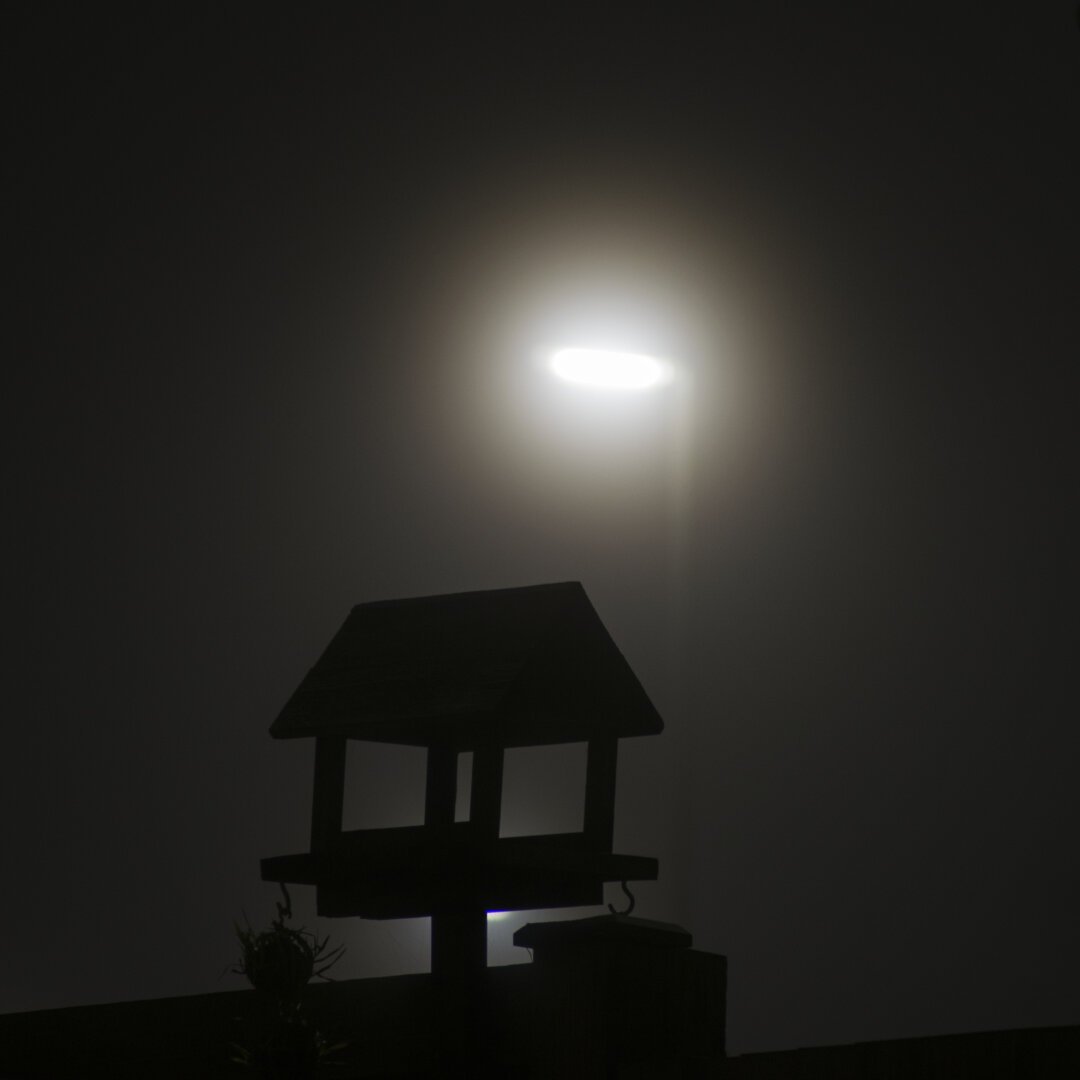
284,911
629,896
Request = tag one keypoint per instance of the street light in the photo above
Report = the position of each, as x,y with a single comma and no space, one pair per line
610,370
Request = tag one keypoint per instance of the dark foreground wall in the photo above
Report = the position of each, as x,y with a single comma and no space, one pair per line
632,1013
1031,1054
540,1026
189,1036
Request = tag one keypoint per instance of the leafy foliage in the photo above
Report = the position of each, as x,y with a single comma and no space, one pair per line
279,963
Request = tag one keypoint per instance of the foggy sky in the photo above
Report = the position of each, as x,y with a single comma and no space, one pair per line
280,282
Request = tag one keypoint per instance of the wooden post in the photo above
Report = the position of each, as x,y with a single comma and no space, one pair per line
600,793
459,938
459,949
459,977
441,792
329,792
485,798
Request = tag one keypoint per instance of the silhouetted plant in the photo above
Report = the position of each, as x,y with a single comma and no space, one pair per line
279,963
285,1049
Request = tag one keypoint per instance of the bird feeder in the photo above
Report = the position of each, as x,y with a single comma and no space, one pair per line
478,672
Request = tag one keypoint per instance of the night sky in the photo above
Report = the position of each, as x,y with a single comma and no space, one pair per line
280,283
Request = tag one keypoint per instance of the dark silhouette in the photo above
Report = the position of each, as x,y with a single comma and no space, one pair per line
478,673
608,996
280,1040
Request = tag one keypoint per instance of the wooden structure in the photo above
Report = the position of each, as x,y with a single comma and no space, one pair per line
471,672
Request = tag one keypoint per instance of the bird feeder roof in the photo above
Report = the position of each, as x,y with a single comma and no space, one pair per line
509,667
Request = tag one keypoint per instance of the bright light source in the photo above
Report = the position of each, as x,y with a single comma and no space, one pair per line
608,370
496,916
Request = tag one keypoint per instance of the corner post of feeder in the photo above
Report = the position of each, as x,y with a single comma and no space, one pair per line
600,770
485,797
328,796
440,794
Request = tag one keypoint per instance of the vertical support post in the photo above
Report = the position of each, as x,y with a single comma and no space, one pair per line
485,798
440,793
459,975
328,796
459,938
459,950
600,793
